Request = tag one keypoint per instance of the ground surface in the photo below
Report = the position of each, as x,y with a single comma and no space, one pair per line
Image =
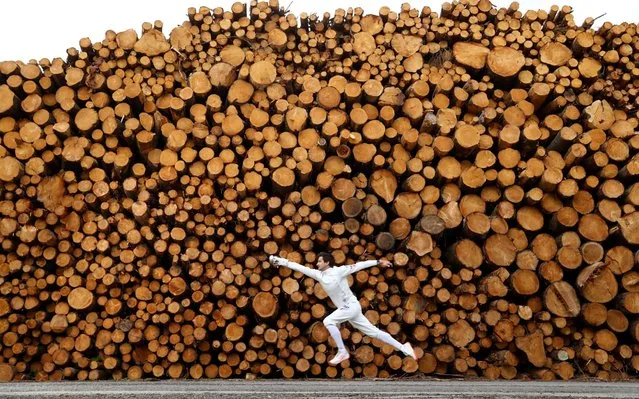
279,389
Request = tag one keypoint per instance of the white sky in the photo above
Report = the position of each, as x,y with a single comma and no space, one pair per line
32,29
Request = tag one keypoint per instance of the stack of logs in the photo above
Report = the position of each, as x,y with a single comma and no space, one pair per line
491,154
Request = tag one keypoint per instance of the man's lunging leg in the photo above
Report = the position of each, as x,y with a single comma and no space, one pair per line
388,339
331,322
365,326
337,336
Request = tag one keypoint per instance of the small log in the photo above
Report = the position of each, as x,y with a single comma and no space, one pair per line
533,346
561,299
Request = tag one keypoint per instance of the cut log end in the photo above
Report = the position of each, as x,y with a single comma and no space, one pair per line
265,305
80,298
505,61
472,55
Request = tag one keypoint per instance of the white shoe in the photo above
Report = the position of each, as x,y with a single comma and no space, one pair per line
407,349
339,357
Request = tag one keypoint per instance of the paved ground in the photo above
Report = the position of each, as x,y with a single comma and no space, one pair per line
279,389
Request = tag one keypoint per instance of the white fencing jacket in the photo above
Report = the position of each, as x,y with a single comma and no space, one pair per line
333,280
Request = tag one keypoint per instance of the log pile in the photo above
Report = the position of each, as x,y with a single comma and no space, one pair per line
491,154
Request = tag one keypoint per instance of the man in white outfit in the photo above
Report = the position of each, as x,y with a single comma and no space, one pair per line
334,281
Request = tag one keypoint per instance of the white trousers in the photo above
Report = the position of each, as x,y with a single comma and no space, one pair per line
352,313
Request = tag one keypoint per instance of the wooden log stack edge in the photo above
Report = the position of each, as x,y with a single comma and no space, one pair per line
491,153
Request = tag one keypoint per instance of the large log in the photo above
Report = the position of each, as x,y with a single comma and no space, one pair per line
491,153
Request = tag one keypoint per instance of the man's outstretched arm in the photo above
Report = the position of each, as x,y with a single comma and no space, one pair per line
307,271
350,269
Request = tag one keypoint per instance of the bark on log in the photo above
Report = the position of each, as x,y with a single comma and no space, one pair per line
491,153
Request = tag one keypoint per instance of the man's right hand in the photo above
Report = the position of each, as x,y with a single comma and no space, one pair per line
274,260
